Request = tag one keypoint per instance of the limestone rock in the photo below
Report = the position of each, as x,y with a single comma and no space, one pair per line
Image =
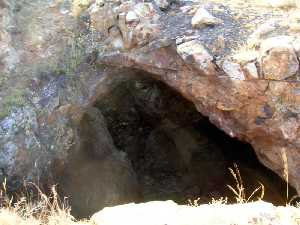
282,3
296,45
194,53
282,41
203,18
262,32
132,17
251,70
233,70
163,4
245,57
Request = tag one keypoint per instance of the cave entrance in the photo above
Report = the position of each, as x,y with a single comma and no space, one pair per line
174,151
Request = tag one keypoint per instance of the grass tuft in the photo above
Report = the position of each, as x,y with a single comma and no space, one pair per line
239,189
48,210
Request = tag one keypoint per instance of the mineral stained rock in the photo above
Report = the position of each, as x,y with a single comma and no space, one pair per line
59,57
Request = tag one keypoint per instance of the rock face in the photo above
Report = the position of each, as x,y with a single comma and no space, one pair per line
279,59
59,57
97,174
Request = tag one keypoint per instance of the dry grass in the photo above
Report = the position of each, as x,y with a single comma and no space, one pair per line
44,210
239,189
285,170
51,210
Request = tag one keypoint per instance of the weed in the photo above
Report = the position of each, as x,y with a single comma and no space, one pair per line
222,200
28,210
239,189
194,203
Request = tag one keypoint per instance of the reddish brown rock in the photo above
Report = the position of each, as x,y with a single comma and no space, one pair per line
279,60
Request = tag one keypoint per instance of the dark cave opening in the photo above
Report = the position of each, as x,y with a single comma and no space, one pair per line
175,153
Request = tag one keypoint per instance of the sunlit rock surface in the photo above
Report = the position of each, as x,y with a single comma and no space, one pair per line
161,213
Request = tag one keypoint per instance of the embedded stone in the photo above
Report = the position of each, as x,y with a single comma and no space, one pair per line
203,18
233,70
245,56
296,45
251,70
193,52
163,4
131,16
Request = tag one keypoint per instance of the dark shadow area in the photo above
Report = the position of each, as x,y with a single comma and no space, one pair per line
142,141
176,152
